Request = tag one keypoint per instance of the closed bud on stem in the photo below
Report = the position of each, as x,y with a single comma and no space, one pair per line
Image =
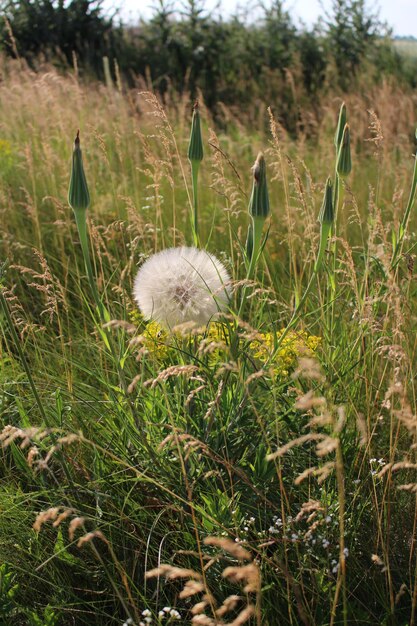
195,155
340,126
78,194
259,200
326,215
344,161
195,147
79,201
326,219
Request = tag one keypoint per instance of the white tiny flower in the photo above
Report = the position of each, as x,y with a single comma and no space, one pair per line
161,615
166,609
146,613
180,285
174,614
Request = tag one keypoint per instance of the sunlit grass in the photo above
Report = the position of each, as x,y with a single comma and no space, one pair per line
301,452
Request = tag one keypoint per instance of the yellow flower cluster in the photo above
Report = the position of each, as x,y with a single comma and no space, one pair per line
156,341
214,343
294,345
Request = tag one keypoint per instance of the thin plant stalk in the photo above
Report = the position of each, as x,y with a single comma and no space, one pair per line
399,240
81,222
17,343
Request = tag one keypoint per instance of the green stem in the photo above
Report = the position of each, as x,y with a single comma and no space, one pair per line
80,218
257,228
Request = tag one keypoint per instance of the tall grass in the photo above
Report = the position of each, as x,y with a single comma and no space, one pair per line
218,472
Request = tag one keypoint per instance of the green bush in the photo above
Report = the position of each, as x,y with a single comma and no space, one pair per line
233,61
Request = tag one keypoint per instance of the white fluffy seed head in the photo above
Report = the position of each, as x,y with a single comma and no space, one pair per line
181,285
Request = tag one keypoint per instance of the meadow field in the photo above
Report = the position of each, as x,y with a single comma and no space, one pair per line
406,47
258,470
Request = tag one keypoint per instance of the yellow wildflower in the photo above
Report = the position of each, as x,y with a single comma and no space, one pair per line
215,342
135,317
294,345
156,341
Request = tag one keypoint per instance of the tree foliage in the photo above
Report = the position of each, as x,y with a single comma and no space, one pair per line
58,30
233,60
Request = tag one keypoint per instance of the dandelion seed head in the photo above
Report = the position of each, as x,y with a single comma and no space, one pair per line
181,285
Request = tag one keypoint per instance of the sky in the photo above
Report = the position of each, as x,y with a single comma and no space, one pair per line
401,15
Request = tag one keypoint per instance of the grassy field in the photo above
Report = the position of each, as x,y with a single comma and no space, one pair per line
256,481
407,47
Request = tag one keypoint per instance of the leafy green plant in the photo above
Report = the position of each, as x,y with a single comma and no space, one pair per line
8,591
49,617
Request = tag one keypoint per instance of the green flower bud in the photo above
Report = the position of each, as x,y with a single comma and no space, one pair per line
195,147
344,161
326,215
259,200
326,218
78,194
340,126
